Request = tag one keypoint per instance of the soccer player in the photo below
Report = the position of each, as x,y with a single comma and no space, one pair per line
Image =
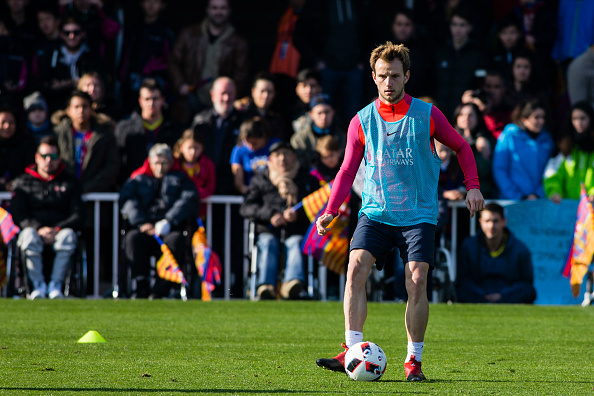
395,136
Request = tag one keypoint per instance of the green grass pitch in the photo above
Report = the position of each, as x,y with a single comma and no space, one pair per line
269,348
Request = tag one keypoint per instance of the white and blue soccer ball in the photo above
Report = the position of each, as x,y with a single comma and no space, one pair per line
365,361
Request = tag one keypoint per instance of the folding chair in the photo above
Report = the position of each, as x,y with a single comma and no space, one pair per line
312,286
444,273
253,257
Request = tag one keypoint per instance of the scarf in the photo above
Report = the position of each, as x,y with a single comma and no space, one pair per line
284,183
70,60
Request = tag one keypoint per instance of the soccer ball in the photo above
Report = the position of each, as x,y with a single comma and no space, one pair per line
365,361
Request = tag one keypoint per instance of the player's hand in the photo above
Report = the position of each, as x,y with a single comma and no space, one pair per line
323,222
474,201
556,198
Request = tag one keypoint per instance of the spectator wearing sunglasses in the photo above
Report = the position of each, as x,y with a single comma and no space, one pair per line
60,69
48,207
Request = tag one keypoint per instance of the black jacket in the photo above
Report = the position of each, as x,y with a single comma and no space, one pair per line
52,67
146,199
454,72
206,123
16,153
263,201
101,163
335,32
131,140
53,203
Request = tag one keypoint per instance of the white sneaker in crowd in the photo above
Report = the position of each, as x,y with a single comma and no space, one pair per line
55,290
39,290
37,294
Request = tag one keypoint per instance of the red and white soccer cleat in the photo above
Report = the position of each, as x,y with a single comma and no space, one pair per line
412,370
336,363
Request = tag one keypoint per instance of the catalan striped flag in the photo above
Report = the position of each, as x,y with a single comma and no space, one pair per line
332,248
316,201
167,266
207,262
8,230
582,248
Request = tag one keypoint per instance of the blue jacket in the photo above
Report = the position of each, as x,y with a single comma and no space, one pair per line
519,162
575,30
510,273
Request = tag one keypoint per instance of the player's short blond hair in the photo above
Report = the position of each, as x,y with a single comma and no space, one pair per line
388,52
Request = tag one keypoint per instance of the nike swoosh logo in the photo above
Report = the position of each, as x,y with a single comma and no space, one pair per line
389,134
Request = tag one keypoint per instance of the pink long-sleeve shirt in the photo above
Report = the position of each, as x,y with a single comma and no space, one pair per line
440,129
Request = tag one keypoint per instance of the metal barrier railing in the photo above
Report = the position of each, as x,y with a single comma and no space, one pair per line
455,205
97,198
227,200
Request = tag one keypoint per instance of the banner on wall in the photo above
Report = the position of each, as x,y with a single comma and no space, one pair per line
547,229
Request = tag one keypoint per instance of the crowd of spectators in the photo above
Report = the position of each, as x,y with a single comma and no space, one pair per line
111,79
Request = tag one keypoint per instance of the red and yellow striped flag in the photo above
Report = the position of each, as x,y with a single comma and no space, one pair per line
8,230
314,202
582,248
167,267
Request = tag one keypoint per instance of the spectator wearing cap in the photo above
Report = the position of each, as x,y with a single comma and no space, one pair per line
156,200
37,123
322,123
269,202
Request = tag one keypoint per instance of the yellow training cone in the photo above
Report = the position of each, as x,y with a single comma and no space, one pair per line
91,337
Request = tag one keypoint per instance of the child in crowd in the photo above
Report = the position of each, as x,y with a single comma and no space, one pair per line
250,155
330,152
37,124
189,155
92,83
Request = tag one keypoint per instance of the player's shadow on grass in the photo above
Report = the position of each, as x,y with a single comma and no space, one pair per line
128,390
527,380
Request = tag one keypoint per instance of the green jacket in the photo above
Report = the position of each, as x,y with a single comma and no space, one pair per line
564,175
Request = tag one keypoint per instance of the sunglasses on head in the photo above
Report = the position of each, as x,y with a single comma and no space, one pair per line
75,32
52,156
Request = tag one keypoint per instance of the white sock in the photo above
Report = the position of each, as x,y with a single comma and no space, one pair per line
416,349
352,337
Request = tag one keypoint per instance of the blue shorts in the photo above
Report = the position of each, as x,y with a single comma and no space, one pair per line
416,242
